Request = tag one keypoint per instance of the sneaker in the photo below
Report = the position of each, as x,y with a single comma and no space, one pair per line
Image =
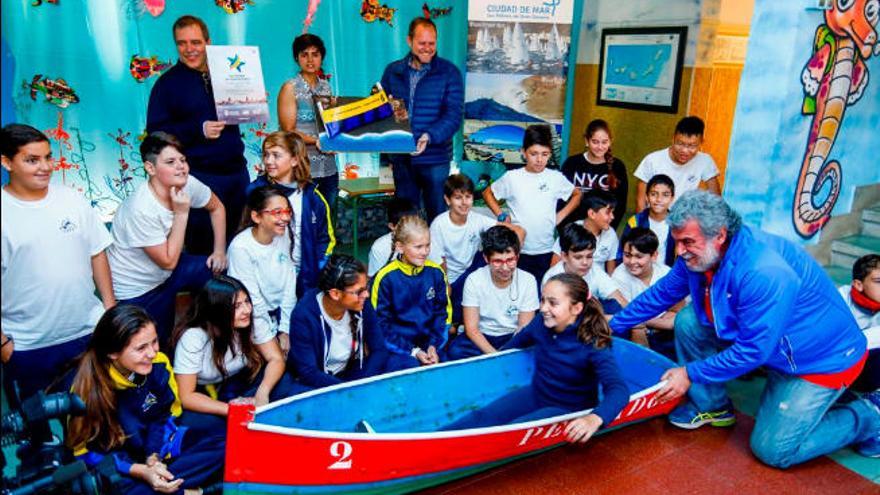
871,447
688,417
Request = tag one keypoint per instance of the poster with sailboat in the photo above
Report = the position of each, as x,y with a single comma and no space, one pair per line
517,66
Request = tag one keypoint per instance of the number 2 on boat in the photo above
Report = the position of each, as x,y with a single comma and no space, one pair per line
342,452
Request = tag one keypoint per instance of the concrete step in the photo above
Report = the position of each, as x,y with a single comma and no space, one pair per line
846,250
839,275
871,221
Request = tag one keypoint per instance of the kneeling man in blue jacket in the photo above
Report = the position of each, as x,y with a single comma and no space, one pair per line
758,300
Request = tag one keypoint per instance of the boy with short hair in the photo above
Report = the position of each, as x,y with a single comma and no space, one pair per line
577,248
683,162
661,194
53,259
382,248
600,212
498,299
455,237
148,264
863,299
639,271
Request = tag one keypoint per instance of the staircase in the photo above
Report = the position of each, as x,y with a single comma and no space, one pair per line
846,250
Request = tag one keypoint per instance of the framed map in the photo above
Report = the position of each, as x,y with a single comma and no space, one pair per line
640,68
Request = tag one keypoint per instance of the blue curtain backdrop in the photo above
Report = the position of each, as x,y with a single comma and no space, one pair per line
89,44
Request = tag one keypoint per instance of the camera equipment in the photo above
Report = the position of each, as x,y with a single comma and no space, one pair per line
45,465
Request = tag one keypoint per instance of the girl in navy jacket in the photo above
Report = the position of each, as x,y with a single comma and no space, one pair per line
572,343
286,164
411,299
333,332
131,406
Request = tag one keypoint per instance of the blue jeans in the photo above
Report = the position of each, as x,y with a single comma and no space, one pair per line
796,420
190,274
536,264
420,183
456,289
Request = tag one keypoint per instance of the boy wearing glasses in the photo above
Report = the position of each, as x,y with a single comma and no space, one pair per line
147,261
683,162
497,300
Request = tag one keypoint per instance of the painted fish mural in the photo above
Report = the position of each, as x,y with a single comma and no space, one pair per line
835,77
142,68
56,91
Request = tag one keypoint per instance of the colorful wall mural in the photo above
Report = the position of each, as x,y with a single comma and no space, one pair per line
82,71
807,115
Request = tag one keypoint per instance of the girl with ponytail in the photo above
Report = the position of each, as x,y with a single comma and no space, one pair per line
596,169
334,337
572,342
131,408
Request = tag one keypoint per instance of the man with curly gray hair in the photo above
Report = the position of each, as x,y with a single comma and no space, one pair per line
758,300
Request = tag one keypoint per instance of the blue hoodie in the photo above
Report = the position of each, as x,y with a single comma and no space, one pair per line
145,408
310,343
641,219
771,301
412,306
316,233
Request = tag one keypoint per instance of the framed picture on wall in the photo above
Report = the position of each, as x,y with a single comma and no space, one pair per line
640,68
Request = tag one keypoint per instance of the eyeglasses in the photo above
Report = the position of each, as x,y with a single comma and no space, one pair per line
358,292
686,146
504,262
279,212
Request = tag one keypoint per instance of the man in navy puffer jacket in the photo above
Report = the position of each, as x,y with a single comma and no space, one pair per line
432,89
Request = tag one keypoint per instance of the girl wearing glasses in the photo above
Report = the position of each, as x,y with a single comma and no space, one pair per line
334,337
219,355
286,165
411,299
261,256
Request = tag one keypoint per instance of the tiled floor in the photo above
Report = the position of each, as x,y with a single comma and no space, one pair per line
655,457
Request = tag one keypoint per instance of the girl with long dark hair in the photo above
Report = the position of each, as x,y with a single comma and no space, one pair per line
218,356
131,408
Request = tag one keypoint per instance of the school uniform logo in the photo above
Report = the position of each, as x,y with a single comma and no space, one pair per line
512,311
149,401
692,178
314,218
67,226
430,294
543,187
602,252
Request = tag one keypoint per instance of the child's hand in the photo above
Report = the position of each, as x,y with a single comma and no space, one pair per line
180,200
582,429
212,128
217,262
160,479
284,343
432,355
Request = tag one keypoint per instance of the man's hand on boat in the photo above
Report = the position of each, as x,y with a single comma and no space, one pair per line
581,429
677,384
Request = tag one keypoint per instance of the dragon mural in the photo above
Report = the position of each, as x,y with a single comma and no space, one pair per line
835,77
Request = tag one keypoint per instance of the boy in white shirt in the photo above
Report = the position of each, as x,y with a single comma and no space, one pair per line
383,248
532,193
53,249
455,237
577,246
498,299
683,162
600,212
639,271
147,261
